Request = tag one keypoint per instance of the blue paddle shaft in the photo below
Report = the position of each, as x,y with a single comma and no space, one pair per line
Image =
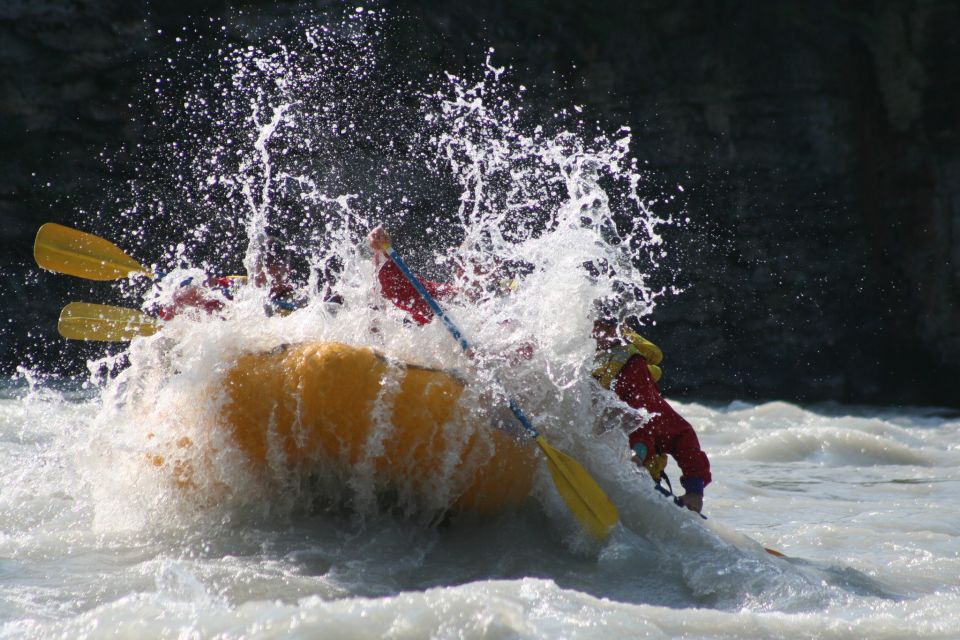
452,328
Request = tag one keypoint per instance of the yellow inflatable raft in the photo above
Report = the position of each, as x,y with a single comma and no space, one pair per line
332,404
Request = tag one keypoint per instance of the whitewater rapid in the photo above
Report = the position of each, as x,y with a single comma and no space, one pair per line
863,502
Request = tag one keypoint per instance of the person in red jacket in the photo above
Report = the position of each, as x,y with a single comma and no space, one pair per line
622,368
482,281
209,296
272,269
395,287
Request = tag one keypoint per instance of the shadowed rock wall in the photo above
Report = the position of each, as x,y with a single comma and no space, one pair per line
816,144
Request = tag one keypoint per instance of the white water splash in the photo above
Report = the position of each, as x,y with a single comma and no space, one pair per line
555,200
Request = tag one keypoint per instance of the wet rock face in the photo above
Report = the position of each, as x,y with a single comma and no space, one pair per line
818,148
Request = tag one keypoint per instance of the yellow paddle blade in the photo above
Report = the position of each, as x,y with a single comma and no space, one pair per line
100,322
589,504
65,250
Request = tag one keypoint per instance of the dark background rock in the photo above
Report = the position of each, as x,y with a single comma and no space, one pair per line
818,146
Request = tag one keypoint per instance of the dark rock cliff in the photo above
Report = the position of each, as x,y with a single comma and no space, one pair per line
818,145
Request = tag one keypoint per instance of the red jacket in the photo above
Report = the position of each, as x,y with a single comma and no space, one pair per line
396,288
666,431
190,295
199,296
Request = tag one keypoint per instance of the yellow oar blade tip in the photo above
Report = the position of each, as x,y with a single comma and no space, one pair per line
65,250
584,497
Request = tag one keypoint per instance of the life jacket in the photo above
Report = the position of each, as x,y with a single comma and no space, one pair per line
655,465
610,362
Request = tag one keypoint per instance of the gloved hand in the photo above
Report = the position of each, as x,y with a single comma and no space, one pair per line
379,239
692,501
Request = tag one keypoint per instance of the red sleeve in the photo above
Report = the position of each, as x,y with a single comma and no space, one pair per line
666,431
395,286
190,296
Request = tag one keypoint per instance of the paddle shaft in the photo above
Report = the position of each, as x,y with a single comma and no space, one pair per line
452,328
583,496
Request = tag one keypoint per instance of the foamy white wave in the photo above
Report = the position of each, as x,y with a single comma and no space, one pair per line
561,204
871,547
527,608
833,446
